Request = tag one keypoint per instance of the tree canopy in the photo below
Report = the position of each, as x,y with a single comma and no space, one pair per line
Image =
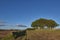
42,22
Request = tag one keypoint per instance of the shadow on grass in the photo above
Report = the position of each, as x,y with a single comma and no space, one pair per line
19,34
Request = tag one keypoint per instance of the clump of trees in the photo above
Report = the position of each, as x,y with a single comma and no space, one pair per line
42,23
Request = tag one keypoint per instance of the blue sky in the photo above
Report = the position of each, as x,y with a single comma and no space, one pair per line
25,11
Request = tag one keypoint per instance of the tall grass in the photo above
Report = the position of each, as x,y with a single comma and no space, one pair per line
8,37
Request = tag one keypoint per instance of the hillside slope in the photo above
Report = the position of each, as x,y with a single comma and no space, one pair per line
43,34
32,35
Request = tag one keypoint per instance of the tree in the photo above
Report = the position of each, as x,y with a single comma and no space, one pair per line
41,23
51,24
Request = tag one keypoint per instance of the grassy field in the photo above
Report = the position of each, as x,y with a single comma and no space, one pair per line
7,34
41,34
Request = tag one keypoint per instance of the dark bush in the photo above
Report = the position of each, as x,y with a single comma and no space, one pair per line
19,34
